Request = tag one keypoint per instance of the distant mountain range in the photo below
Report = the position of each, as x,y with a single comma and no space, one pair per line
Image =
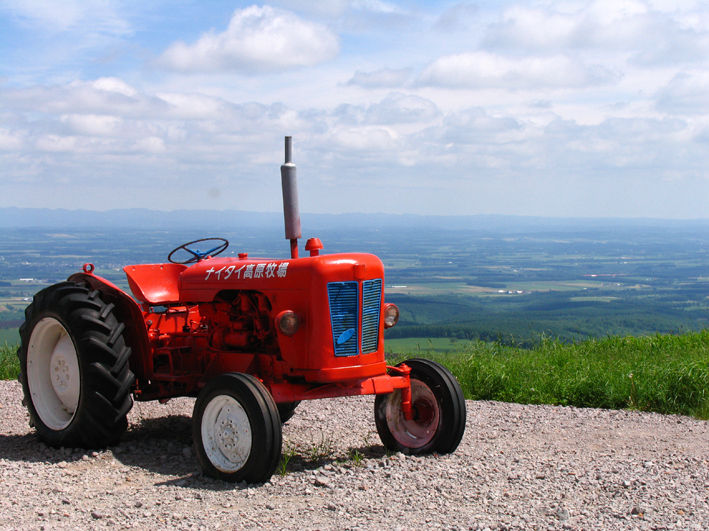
13,217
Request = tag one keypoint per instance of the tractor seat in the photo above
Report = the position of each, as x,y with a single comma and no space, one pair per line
156,284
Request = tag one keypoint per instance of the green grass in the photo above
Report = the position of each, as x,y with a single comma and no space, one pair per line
661,373
9,364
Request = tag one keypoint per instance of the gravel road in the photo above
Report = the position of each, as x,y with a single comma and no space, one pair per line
517,467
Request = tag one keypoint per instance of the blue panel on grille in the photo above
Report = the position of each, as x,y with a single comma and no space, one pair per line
344,313
371,310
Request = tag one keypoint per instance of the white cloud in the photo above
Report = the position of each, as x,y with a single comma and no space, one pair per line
686,94
113,84
483,69
92,124
151,144
382,78
457,17
642,32
56,143
50,15
258,39
9,141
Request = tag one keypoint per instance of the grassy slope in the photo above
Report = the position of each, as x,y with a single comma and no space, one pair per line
662,373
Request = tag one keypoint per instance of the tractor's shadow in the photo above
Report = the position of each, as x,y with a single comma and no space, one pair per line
163,445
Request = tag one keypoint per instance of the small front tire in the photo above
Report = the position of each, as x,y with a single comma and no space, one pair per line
236,429
439,413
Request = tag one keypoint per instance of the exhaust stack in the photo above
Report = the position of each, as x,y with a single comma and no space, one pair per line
291,214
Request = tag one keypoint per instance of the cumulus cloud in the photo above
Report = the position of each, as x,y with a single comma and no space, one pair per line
457,17
92,124
483,69
9,141
258,39
686,94
382,78
646,34
396,108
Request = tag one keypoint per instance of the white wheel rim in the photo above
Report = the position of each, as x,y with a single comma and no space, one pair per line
226,433
421,429
53,374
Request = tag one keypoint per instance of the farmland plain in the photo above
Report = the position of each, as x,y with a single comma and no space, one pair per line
510,280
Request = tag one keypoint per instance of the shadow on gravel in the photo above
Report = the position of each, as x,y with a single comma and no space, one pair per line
164,446
302,459
28,448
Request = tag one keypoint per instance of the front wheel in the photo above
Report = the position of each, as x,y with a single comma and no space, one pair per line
438,407
236,429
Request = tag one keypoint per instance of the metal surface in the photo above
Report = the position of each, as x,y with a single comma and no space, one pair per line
53,373
226,433
289,186
419,430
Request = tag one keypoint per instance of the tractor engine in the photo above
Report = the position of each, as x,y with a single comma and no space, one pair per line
240,321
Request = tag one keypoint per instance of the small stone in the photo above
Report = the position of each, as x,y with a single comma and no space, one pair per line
94,454
96,515
321,481
626,483
562,514
270,507
138,504
331,507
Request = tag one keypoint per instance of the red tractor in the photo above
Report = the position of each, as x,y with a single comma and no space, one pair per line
248,337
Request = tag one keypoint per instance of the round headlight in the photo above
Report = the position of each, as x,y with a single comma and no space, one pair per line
288,322
391,315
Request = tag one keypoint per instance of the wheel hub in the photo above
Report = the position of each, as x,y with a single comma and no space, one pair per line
53,373
226,433
421,429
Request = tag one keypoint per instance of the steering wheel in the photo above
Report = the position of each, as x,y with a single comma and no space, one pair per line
198,255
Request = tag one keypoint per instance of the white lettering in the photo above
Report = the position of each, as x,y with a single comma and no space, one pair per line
282,269
259,270
265,270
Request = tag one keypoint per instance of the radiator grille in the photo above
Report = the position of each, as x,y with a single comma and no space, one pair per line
344,313
371,310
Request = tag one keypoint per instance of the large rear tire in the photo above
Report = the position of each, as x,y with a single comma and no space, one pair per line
286,410
236,429
74,367
439,412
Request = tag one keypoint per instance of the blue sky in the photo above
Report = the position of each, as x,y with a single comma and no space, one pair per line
564,109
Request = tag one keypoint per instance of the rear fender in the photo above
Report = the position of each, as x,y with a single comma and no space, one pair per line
127,312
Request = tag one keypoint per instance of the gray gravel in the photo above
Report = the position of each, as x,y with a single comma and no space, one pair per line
517,467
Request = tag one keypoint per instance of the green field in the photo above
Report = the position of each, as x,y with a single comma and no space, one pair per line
426,345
